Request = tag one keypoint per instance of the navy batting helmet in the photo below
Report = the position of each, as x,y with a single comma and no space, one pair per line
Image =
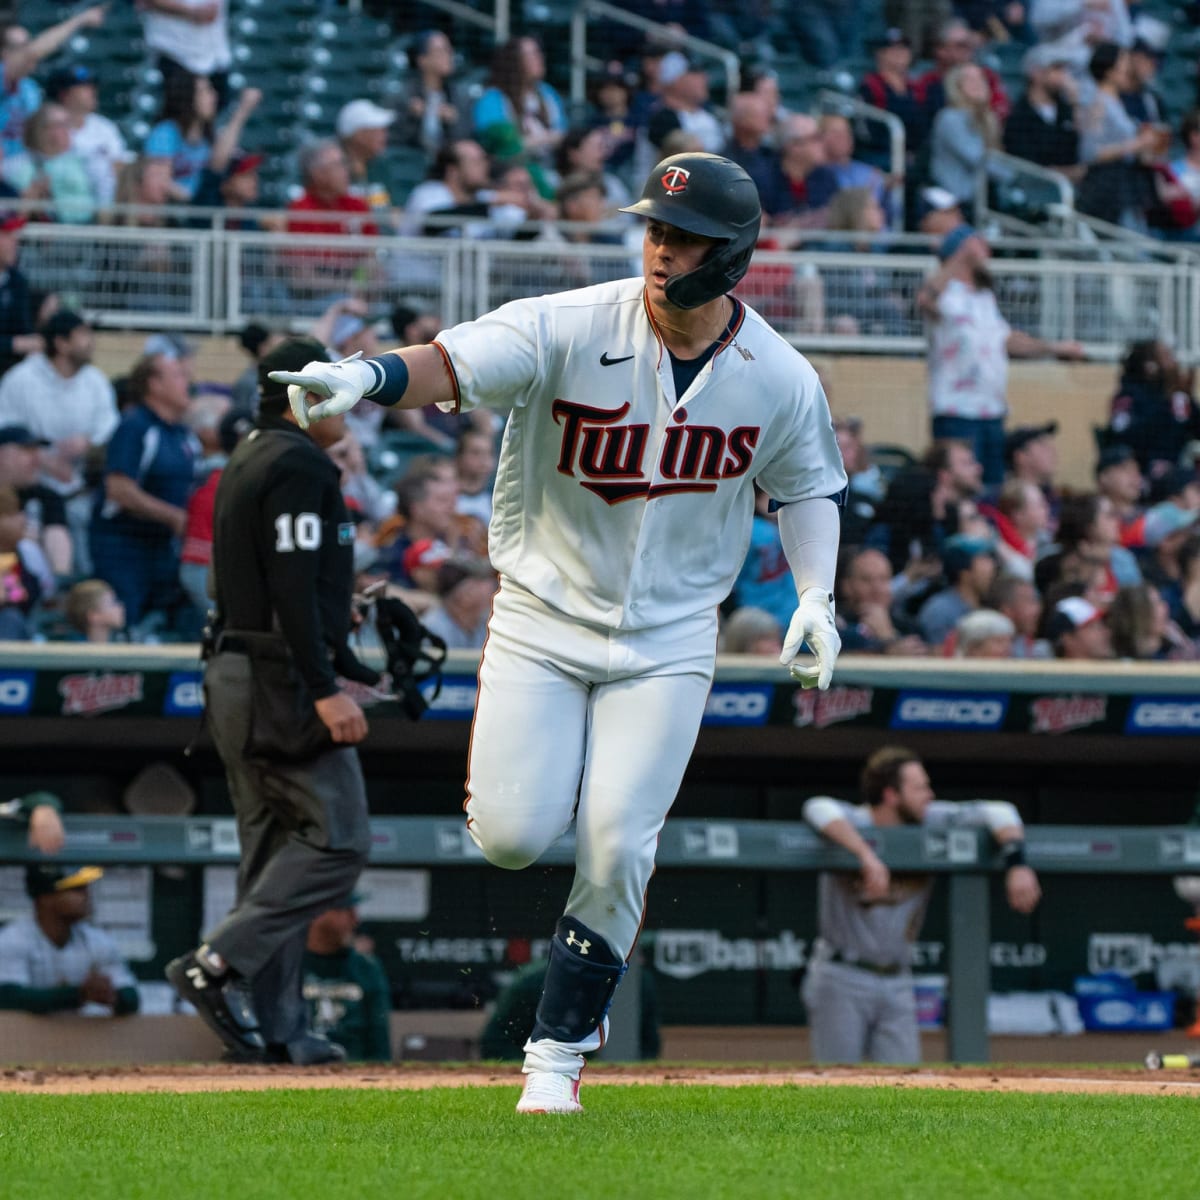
707,195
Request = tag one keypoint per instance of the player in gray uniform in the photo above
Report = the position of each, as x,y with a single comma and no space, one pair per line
859,989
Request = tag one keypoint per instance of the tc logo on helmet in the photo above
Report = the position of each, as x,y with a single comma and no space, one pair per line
675,181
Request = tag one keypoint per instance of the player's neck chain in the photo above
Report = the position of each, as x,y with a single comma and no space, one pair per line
692,337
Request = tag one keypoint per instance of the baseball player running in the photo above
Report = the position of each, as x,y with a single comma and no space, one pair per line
642,413
859,987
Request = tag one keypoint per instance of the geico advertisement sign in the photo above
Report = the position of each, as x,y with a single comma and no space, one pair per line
1162,715
949,710
730,704
684,954
185,694
16,692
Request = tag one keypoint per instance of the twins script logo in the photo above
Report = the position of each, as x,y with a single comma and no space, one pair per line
675,181
821,709
86,695
1058,714
611,457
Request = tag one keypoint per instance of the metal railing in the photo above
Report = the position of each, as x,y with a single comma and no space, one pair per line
834,293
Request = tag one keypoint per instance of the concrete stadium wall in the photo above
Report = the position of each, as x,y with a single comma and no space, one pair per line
888,393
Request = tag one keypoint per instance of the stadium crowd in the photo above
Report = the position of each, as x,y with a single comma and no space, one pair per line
972,549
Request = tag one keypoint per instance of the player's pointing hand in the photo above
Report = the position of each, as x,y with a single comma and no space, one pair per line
322,389
812,622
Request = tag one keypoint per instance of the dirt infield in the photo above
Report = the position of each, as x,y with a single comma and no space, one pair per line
216,1078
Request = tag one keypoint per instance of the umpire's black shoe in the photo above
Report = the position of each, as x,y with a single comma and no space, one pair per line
312,1050
223,1002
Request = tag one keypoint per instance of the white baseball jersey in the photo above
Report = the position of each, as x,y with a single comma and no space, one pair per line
617,502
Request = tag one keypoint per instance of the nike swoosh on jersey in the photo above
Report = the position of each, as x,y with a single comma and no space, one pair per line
605,361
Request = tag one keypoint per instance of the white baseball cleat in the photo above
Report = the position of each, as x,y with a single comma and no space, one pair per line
549,1092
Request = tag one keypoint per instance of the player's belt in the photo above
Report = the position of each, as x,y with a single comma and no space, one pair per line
886,969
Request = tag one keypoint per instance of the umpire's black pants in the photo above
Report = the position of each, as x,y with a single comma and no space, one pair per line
304,838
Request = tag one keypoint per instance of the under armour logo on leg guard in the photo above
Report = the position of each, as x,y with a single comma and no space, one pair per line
572,940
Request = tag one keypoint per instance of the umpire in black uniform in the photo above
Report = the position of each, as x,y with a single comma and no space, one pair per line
283,570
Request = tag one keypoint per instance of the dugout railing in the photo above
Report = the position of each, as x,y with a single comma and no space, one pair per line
964,856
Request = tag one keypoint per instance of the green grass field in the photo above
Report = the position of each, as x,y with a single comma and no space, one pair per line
636,1141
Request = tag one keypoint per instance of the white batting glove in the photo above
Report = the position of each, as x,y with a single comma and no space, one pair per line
324,389
812,622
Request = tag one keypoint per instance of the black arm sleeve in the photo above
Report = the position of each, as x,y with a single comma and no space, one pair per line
15,997
299,529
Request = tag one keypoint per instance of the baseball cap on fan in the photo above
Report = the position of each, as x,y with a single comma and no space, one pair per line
19,435
674,66
362,114
425,552
1071,614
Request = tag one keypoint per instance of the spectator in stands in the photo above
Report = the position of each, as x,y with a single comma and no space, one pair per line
54,959
1146,54
190,37
465,587
146,183
1186,168
346,992
95,138
983,633
840,168
1142,628
45,513
1019,601
1120,480
1076,27
17,317
422,561
475,467
919,21
826,32
20,56
519,98
787,203
196,553
457,188
1077,630
1185,596
1089,532
764,580
1154,411
184,133
427,496
751,630
938,212
611,98
1042,126
1021,517
684,105
750,125
969,347
62,398
581,201
864,611
367,500
431,109
585,150
922,510
1031,455
955,46
969,566
94,613
963,132
20,586
1118,187
141,515
50,171
362,128
890,88
230,176
258,340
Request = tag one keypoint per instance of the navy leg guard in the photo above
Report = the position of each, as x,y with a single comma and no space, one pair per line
580,982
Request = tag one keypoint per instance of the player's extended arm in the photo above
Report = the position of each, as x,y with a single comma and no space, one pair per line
408,378
825,816
810,531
